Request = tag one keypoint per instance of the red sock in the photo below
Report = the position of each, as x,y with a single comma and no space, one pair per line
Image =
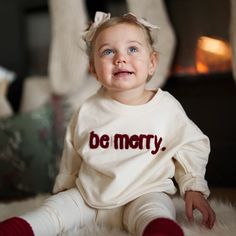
15,226
163,227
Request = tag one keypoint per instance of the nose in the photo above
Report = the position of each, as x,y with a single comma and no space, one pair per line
120,59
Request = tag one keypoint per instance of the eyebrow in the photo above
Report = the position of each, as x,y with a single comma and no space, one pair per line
131,41
134,41
103,45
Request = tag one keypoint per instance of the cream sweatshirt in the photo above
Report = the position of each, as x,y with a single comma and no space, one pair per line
115,153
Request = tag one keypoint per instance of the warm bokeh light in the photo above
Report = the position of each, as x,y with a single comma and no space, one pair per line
213,55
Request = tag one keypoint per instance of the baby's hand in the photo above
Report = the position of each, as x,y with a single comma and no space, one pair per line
195,200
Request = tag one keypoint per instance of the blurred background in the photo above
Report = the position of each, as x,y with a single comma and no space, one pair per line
199,73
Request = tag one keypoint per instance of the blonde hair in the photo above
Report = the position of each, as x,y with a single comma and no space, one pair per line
115,21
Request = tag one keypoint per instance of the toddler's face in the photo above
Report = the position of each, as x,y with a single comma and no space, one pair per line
123,59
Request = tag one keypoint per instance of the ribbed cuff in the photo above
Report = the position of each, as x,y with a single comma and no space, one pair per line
188,182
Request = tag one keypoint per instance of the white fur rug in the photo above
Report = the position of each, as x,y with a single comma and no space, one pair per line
225,225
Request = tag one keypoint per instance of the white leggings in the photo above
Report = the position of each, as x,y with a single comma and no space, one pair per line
67,211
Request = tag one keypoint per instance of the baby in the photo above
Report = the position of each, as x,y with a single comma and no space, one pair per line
124,145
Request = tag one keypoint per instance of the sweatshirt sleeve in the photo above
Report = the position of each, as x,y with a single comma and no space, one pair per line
191,160
70,161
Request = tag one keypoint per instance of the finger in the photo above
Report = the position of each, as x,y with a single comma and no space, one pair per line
205,217
189,211
212,219
208,217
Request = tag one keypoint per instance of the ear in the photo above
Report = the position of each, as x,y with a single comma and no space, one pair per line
153,62
92,69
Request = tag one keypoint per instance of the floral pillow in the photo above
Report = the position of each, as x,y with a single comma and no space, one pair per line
28,162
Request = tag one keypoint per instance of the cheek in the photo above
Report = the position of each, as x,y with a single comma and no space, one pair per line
101,68
141,59
141,64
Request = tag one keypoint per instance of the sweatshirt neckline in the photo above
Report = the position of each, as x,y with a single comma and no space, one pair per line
115,106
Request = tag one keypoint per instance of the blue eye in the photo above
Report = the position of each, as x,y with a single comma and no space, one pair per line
107,52
132,49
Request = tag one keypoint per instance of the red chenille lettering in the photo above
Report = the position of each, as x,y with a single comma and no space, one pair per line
93,140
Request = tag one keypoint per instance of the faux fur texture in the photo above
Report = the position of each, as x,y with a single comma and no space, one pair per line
225,225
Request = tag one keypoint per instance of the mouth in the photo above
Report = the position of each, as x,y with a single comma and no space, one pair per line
122,72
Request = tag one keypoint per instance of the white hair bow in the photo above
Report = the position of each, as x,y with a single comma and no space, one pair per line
141,21
101,17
